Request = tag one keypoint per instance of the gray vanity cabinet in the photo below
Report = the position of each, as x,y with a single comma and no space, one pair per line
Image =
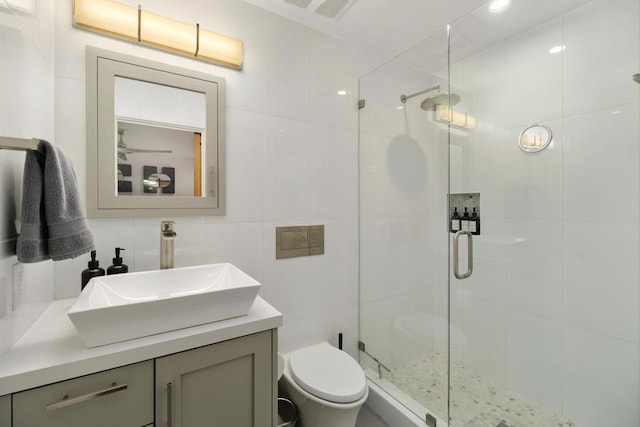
5,411
117,397
230,383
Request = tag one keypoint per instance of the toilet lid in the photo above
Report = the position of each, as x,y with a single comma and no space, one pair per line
328,373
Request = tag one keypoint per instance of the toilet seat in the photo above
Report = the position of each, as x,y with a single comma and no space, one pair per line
328,373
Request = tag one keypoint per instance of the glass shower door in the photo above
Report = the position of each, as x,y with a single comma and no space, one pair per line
544,144
403,246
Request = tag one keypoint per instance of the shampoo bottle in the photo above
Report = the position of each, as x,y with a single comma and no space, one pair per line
93,270
118,267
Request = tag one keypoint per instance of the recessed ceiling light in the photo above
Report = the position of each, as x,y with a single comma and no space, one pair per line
557,49
497,6
342,92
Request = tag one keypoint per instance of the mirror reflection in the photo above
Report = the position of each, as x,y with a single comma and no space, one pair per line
155,138
535,138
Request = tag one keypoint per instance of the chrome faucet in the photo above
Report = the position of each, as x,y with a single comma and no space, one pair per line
167,236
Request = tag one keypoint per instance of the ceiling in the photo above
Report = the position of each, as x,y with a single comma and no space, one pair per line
402,28
388,27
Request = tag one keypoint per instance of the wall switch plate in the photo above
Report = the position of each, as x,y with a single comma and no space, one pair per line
18,291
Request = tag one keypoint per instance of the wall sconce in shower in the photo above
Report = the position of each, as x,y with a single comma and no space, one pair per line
535,138
134,24
445,114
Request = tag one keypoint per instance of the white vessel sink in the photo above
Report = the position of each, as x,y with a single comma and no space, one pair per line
126,306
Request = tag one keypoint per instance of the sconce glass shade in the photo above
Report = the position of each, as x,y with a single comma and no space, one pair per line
165,33
130,23
107,17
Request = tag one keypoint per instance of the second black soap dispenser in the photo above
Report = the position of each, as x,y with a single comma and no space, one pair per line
118,267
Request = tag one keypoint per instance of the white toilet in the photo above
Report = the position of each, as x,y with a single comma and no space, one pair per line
327,386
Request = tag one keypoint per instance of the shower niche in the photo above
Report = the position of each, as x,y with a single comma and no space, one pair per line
464,213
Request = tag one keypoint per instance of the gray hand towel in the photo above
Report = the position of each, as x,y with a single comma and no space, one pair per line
53,220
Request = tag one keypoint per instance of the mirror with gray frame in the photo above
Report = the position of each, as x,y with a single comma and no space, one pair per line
155,138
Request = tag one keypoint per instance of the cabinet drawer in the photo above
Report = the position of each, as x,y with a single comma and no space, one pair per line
5,411
119,397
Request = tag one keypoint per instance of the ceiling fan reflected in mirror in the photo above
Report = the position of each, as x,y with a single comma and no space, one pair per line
123,149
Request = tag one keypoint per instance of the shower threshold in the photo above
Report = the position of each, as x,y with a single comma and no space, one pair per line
475,402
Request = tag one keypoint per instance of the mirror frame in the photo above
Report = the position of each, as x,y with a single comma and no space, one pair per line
102,199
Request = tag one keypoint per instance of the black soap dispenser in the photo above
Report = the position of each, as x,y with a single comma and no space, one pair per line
464,222
474,223
455,221
93,270
118,267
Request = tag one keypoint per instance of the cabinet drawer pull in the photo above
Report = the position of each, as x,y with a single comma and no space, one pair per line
169,404
68,402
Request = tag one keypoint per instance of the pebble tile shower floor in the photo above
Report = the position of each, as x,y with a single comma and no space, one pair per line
475,402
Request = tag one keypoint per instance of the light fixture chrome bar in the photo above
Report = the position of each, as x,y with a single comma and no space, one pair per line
19,144
404,98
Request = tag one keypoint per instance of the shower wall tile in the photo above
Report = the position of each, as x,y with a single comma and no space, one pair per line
487,283
601,170
534,267
484,170
600,278
485,326
534,359
395,254
534,181
594,365
602,40
534,83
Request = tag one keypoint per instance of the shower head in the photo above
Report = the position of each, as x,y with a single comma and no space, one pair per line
636,78
430,103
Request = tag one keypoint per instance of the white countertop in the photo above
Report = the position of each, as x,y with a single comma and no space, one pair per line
51,350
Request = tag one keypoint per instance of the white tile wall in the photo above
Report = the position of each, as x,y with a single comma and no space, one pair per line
552,309
291,160
600,379
26,111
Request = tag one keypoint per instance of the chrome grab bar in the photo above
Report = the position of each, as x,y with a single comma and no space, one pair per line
456,268
73,401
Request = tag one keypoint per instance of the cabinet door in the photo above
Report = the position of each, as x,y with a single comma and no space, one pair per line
221,385
5,411
120,397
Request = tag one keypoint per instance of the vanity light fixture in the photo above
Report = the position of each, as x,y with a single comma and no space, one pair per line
445,114
130,23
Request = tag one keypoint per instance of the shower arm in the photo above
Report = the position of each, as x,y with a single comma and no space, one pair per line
404,98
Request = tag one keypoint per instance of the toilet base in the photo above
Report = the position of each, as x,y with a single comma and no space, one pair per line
312,413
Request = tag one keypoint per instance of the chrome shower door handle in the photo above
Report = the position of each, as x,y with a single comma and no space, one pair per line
456,268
